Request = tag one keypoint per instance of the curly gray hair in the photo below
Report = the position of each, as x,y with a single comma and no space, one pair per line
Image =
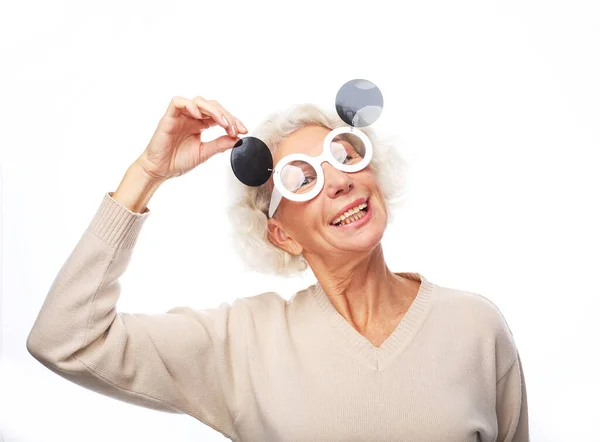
248,210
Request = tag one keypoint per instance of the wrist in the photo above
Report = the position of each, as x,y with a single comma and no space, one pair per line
148,178
136,188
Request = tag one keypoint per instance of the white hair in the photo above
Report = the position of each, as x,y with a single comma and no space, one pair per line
248,210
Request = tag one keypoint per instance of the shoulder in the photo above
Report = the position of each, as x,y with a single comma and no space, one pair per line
482,317
272,300
274,313
264,308
266,300
468,303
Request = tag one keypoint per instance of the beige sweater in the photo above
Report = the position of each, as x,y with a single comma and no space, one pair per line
266,369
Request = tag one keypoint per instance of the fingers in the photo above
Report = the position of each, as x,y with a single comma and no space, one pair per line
217,145
205,110
181,105
233,125
196,126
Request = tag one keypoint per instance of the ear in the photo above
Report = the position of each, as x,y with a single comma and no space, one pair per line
281,239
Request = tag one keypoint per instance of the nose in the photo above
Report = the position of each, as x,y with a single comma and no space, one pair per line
337,182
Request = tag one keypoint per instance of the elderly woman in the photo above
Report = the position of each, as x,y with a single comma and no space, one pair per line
364,354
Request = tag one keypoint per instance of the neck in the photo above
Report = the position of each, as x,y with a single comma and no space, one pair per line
364,290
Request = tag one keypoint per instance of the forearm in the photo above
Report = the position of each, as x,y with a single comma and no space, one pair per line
136,189
80,305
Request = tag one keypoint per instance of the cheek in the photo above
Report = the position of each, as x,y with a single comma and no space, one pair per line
313,214
368,179
302,217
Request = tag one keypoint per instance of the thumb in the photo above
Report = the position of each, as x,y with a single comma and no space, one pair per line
218,145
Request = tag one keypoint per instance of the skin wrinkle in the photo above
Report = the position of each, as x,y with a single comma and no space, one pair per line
348,263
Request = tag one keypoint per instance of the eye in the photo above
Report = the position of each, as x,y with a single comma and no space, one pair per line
307,180
352,158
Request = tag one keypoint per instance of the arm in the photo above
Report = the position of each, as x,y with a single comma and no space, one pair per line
511,405
136,189
181,361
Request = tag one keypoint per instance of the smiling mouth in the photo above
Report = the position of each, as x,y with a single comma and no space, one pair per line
352,215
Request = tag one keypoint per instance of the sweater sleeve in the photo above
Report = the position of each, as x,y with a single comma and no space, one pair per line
511,405
182,361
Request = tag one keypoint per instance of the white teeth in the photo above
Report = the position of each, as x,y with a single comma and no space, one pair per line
349,213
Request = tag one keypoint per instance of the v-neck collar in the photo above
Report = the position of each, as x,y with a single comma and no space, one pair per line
379,358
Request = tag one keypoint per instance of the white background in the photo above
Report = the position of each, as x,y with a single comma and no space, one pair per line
495,106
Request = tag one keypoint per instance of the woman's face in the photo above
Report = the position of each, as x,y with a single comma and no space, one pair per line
306,227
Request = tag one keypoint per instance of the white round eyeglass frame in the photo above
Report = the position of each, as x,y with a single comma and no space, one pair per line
280,191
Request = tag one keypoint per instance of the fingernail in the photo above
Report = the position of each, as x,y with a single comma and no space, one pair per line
243,127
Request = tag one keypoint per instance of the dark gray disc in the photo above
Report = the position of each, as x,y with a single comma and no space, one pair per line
251,161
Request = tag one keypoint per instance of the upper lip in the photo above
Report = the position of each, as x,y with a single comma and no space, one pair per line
348,207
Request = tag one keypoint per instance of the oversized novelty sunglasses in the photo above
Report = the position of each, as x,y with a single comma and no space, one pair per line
299,177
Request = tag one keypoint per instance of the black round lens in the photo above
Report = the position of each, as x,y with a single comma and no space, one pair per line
359,103
251,161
